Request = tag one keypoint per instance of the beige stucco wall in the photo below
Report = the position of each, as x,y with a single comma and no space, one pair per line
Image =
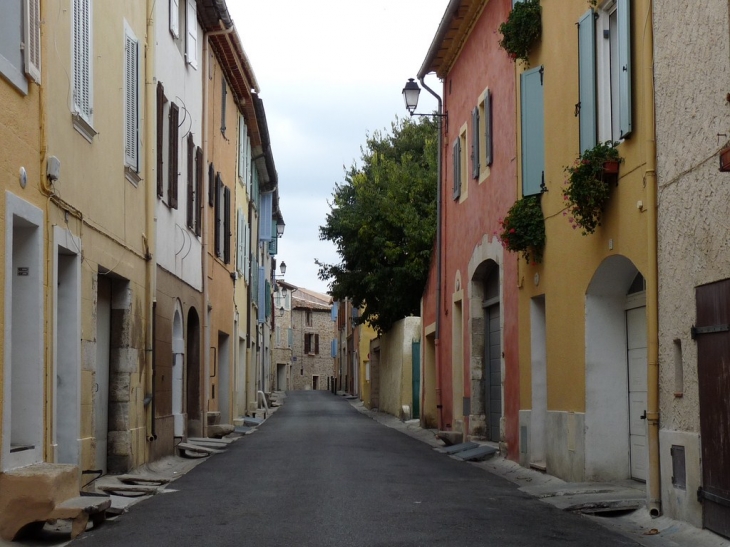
692,78
396,371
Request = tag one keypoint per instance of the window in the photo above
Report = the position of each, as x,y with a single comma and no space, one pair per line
219,226
311,344
190,209
226,225
604,50
191,36
460,166
82,59
475,152
161,100
20,46
172,167
308,318
533,131
484,132
265,215
456,158
243,156
131,100
175,18
224,100
32,43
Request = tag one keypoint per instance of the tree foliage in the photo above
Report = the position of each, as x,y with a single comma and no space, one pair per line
382,221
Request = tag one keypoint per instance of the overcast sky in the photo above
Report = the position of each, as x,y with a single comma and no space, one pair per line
330,71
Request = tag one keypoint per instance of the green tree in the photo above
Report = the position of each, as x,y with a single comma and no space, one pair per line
382,221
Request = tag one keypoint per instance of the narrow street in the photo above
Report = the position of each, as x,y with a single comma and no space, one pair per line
320,473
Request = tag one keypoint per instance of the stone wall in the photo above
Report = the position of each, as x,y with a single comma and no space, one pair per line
306,366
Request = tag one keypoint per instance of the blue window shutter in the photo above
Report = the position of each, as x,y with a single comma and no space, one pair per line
624,67
265,213
262,295
290,339
335,310
587,80
475,143
457,168
488,126
533,131
267,298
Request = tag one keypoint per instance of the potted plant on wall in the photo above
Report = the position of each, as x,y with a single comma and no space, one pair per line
522,28
587,185
523,229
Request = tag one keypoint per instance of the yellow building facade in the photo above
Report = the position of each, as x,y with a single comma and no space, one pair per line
588,311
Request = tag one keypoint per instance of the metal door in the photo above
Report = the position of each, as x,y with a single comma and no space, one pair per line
636,342
493,380
713,368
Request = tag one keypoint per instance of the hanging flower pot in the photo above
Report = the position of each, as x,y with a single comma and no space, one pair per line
610,167
725,159
523,229
522,28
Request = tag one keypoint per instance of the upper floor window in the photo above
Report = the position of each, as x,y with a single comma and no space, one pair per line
20,48
308,318
131,100
483,134
82,58
191,36
604,54
460,166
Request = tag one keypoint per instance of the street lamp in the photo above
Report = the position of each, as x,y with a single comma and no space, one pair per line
411,92
282,268
280,228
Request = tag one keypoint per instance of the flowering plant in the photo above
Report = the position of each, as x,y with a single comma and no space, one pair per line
587,187
523,229
522,28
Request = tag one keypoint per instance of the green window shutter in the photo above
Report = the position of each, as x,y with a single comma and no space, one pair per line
267,298
624,67
488,127
587,80
457,168
475,143
533,131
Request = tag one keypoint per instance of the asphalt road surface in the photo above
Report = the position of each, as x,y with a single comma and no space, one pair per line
319,473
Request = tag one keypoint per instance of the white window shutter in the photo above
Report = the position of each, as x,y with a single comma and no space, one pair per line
191,27
265,216
248,167
131,102
624,74
175,18
239,247
82,93
32,50
241,149
246,251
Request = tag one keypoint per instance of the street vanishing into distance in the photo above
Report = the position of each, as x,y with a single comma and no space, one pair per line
320,473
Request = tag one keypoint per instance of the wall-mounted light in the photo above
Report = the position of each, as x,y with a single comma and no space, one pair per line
280,228
411,92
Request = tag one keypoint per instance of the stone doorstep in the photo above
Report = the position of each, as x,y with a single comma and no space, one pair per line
130,488
80,509
140,479
461,447
195,451
223,442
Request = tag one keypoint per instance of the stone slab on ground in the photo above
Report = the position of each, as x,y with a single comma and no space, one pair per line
475,454
453,449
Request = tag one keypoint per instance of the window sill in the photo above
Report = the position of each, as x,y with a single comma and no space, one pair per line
83,127
132,176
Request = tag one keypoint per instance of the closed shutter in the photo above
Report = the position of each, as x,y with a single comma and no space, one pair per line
191,41
173,167
307,343
267,298
533,131
211,185
248,167
457,168
624,67
227,225
334,311
588,105
274,241
246,250
131,137
265,214
333,348
198,191
218,217
316,344
160,137
262,294
175,18
254,195
475,143
32,50
190,211
82,93
291,337
488,139
239,241
242,130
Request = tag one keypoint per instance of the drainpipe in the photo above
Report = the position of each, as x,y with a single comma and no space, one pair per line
150,203
652,296
439,245
204,254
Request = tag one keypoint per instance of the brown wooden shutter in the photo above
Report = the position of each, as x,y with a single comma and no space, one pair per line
160,137
172,182
316,344
307,343
218,218
198,191
227,225
211,185
191,184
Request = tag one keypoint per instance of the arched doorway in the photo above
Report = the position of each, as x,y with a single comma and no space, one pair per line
616,363
486,353
192,378
178,359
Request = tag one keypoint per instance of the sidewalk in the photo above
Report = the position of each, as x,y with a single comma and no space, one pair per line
636,524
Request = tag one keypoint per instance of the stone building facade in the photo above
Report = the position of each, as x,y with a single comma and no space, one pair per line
312,331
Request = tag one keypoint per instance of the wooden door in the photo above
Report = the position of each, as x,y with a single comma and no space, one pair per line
713,369
636,342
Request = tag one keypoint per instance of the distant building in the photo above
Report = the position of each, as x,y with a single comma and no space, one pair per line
311,324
